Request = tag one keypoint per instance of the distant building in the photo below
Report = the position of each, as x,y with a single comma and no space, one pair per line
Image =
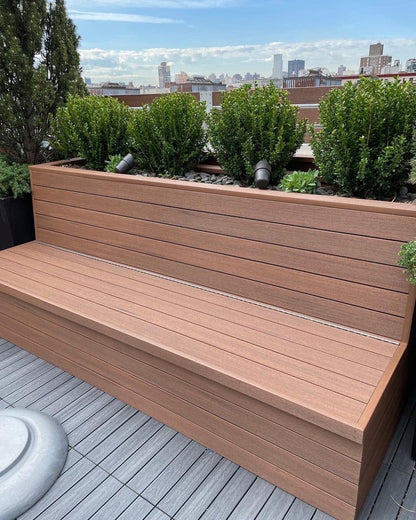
181,77
312,78
411,65
375,61
402,76
392,69
197,84
112,89
341,70
294,67
164,74
88,81
277,72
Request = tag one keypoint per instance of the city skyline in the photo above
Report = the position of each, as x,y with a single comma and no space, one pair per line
126,40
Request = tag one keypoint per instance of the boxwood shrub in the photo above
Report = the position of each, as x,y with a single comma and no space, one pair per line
255,124
365,142
168,137
93,128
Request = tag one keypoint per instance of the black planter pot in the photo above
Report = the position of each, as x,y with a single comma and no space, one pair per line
16,221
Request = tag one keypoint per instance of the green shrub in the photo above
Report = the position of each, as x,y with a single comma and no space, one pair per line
14,178
407,259
365,142
253,125
167,137
300,182
93,128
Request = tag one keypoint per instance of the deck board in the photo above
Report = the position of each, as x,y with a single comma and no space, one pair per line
112,446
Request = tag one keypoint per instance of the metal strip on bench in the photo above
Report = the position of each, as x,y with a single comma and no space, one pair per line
234,297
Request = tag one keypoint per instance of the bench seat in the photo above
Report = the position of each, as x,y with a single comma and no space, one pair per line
272,328
291,388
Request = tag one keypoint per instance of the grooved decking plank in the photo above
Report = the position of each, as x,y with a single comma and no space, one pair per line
124,451
392,493
138,510
95,500
80,470
44,390
192,481
229,497
27,388
113,426
157,464
144,454
116,505
84,429
276,506
97,403
253,500
203,496
165,481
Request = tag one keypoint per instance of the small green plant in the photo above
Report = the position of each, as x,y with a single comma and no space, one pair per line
93,128
113,160
300,182
168,137
255,124
14,179
407,259
366,139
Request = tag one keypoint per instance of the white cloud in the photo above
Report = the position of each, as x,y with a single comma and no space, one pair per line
118,17
140,66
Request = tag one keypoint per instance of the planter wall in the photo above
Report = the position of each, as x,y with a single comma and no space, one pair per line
16,221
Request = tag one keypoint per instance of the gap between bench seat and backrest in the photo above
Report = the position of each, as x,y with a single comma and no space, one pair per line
329,258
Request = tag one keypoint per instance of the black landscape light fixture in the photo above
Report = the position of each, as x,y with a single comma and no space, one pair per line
125,164
262,172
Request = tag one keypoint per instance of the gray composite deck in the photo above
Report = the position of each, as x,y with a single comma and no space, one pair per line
122,464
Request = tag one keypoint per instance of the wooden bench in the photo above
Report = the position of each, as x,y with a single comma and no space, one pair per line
273,328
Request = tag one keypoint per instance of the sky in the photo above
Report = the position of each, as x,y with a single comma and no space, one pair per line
125,40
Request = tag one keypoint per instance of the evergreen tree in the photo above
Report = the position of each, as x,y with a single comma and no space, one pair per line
39,68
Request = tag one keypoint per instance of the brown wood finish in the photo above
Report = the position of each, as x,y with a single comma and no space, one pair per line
277,383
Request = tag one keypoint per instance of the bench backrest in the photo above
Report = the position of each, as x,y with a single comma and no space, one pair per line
327,257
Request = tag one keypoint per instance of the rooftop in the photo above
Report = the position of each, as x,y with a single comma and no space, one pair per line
124,465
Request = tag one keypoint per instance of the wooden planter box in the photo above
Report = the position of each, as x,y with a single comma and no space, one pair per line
16,221
271,327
